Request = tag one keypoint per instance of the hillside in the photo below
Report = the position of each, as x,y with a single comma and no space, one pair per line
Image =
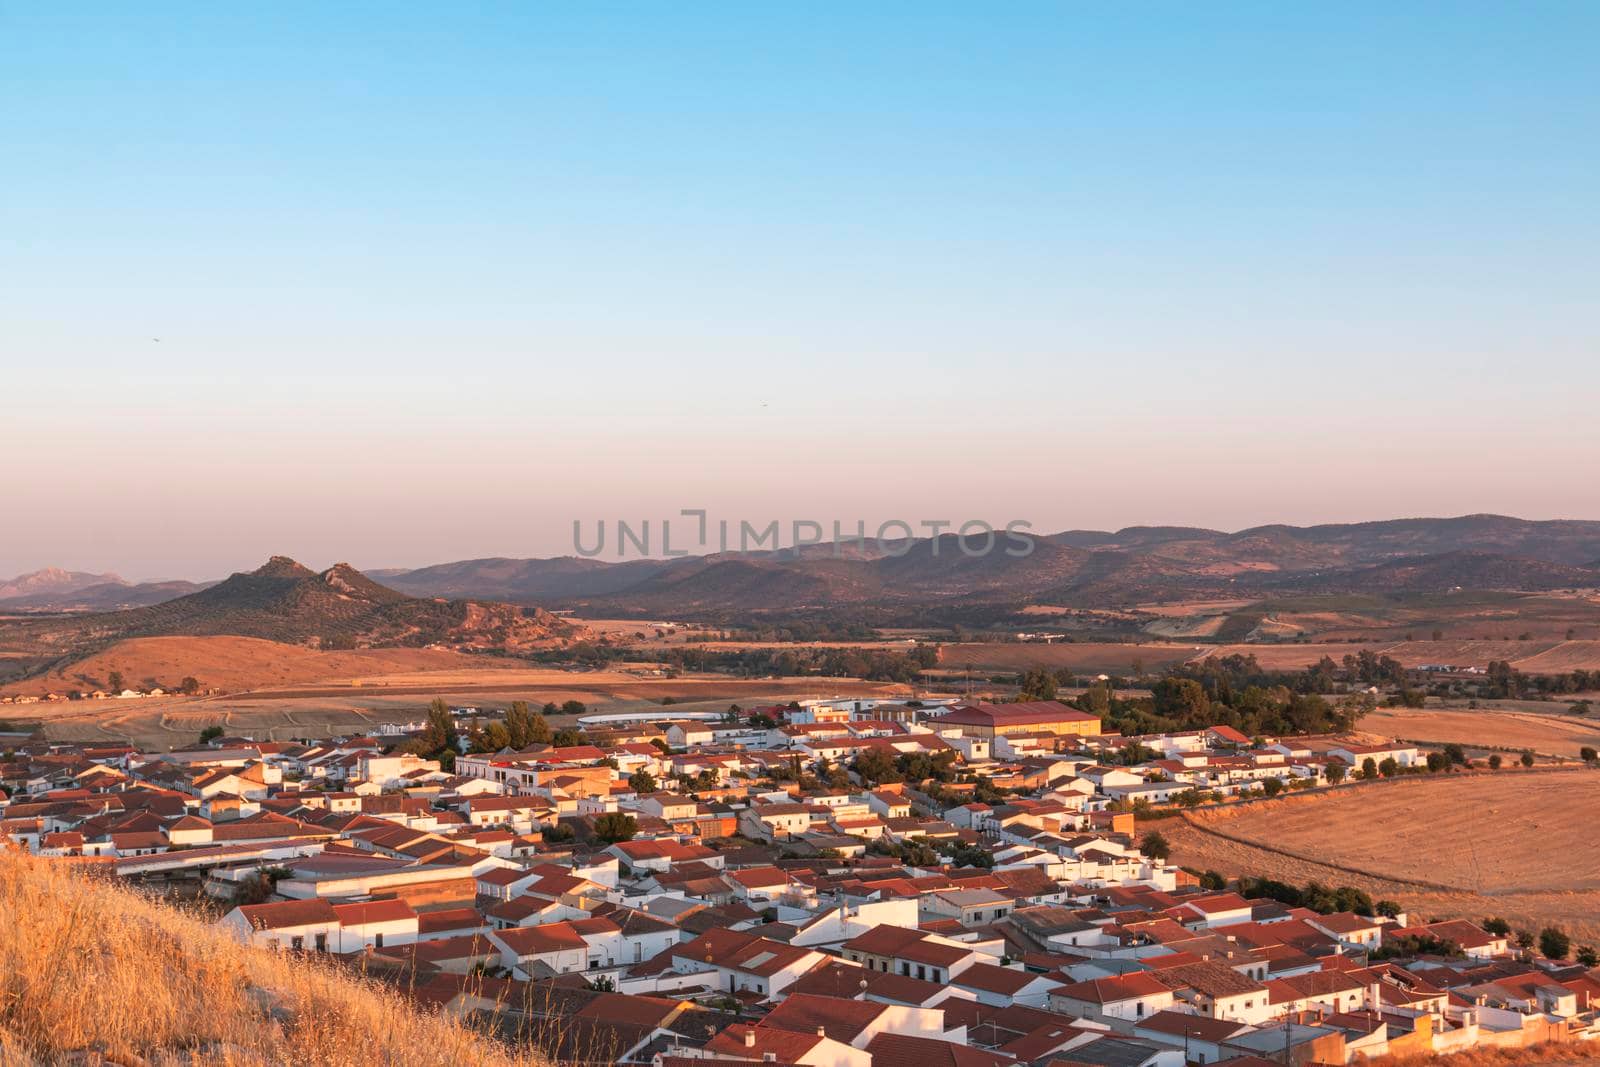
520,580
1447,571
231,664
1078,568
95,968
286,602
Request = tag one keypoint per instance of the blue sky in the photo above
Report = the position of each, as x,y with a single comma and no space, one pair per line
433,282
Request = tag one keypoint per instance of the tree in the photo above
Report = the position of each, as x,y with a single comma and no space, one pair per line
210,733
1495,761
971,856
615,826
492,738
1038,684
1387,908
1272,787
1554,943
1389,768
1455,754
1336,772
1497,926
567,738
1155,845
440,732
1587,956
114,682
877,767
519,724
642,782
1524,938
574,707
1437,761
1213,881
189,686
1588,754
1369,769
1183,699
1527,758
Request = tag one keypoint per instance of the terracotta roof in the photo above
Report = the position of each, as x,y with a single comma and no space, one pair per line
286,913
841,1019
903,1050
1128,986
537,940
374,911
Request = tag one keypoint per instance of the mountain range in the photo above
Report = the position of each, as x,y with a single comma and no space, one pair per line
1072,569
1076,568
54,589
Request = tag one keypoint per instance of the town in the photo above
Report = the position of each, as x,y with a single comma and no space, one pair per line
829,882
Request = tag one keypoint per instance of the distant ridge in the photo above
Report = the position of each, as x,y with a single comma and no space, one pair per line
1076,568
53,581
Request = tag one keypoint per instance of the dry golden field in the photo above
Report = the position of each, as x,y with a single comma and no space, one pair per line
1513,843
1497,728
237,663
359,704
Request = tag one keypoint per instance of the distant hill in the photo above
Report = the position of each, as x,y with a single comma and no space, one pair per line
55,589
1078,568
106,596
53,581
522,580
286,602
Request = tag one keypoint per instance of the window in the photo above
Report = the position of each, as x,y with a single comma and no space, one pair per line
322,942
1138,1009
377,939
297,942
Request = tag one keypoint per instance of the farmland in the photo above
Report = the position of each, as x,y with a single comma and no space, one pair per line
1532,656
1517,844
1487,729
1080,657
356,705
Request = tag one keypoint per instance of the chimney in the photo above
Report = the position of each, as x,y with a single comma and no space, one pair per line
750,1037
822,1031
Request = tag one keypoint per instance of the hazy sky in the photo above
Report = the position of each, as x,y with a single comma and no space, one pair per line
432,281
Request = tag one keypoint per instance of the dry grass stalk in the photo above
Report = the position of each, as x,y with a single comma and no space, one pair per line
94,967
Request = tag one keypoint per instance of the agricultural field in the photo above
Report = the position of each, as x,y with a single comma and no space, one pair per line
1532,656
236,663
1513,843
1080,657
1488,729
359,704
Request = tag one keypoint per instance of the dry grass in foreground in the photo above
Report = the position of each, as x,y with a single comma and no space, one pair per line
91,967
1548,1055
